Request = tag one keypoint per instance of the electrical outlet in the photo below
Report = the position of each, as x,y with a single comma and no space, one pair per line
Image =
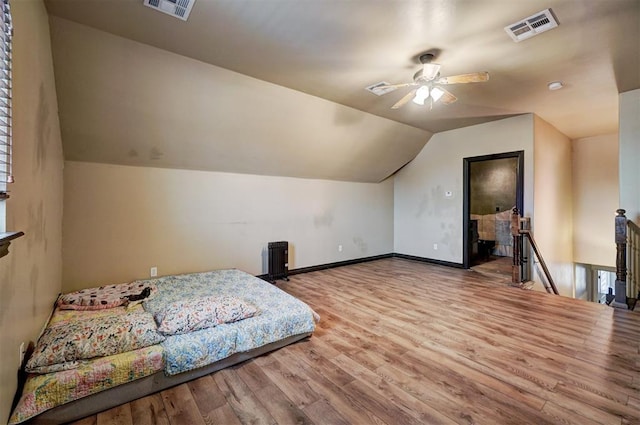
435,246
153,272
339,248
21,356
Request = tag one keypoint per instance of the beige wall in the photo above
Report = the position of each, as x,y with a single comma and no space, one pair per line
127,103
552,221
423,216
30,274
121,220
595,199
630,154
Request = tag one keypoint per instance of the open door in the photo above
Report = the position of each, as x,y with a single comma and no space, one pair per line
488,185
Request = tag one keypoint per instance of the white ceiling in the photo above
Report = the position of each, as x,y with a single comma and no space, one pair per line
334,48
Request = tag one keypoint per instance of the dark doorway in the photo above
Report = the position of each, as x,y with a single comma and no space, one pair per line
493,185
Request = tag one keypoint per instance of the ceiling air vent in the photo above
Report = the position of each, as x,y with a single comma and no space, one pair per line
379,88
176,8
533,25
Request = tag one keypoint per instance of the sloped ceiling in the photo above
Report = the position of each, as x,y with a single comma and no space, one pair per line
123,101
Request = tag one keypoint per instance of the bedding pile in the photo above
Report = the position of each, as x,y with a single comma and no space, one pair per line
184,322
45,389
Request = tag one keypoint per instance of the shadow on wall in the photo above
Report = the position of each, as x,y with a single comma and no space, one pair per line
43,131
347,116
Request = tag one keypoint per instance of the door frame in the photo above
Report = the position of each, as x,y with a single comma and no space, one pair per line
466,179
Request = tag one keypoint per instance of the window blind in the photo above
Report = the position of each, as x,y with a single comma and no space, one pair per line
6,34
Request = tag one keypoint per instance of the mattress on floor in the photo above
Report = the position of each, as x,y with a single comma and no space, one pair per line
279,316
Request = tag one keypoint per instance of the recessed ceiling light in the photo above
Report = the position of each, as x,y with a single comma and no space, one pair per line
555,85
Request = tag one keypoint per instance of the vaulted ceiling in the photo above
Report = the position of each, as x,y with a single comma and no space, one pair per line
332,50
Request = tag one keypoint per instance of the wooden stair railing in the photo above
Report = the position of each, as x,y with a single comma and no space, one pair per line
520,230
627,287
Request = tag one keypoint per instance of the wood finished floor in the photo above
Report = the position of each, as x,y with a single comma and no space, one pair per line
403,342
496,269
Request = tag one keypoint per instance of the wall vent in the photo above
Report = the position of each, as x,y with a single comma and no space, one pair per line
531,26
176,8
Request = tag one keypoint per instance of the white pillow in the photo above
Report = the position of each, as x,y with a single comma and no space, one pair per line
190,315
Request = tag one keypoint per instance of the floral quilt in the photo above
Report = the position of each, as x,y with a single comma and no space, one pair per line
44,392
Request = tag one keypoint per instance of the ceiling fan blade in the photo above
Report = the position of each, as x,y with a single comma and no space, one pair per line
407,97
447,97
474,77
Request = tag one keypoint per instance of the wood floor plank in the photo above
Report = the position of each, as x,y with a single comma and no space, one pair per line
320,361
149,410
564,416
321,412
294,386
119,415
612,407
244,403
408,342
379,403
252,375
223,415
453,375
283,410
180,406
207,396
331,386
405,408
436,392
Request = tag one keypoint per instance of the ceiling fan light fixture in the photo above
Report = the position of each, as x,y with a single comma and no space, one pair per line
436,93
422,94
426,84
430,70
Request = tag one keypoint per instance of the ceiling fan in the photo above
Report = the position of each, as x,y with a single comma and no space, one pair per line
427,82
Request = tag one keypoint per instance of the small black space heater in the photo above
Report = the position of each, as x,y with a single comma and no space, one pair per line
278,260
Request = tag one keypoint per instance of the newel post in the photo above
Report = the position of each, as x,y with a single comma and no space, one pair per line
621,259
516,278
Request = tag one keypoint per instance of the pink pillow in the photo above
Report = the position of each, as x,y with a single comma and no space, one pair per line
107,296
